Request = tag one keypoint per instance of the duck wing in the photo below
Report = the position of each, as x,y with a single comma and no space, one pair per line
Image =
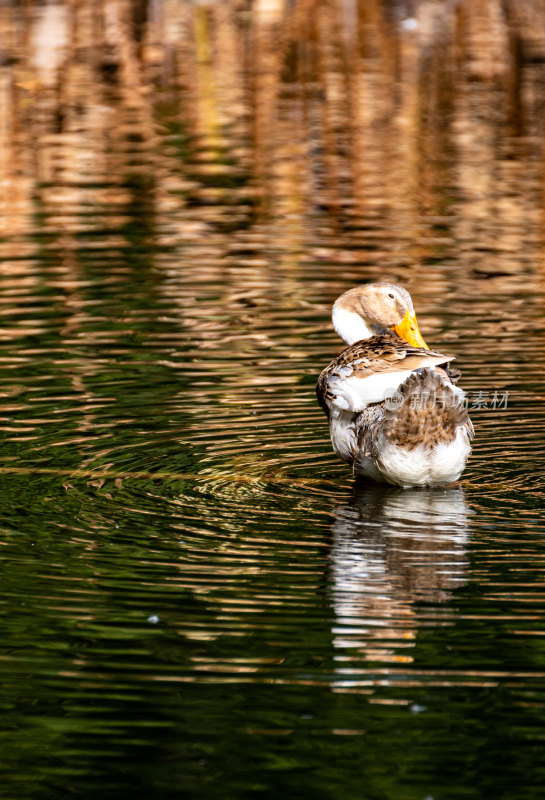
369,371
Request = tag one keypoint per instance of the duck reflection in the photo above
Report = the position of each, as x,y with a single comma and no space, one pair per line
393,548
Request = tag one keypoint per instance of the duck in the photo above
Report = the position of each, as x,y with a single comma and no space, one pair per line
395,413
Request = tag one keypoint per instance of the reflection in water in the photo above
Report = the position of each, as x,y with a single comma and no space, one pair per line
393,548
412,129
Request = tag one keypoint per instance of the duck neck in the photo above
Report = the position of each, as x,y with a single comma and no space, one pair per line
349,325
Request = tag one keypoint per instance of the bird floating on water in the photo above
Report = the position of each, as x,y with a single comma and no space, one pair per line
395,412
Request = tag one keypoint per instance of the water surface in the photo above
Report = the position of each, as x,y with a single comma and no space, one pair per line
197,599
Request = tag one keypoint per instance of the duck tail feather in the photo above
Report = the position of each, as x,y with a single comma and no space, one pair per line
428,410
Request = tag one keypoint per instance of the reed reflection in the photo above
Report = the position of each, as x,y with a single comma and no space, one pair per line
393,548
278,115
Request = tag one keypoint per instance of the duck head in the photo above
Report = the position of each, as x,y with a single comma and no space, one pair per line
376,308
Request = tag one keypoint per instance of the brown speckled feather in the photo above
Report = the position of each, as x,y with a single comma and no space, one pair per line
387,353
429,413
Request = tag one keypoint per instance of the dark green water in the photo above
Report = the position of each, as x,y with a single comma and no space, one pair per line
197,602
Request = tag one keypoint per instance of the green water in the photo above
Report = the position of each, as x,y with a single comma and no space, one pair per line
197,601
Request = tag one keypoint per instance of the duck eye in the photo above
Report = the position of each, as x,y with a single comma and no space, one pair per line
392,296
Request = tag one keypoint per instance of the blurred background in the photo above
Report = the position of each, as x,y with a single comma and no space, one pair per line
407,130
197,600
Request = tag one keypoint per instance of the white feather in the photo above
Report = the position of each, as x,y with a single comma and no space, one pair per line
342,432
417,467
352,393
349,325
355,394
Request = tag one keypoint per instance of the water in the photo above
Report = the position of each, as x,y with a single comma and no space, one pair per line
197,601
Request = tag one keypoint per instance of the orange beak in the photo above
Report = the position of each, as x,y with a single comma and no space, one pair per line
408,330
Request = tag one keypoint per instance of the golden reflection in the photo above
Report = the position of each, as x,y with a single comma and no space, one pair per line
280,113
392,549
